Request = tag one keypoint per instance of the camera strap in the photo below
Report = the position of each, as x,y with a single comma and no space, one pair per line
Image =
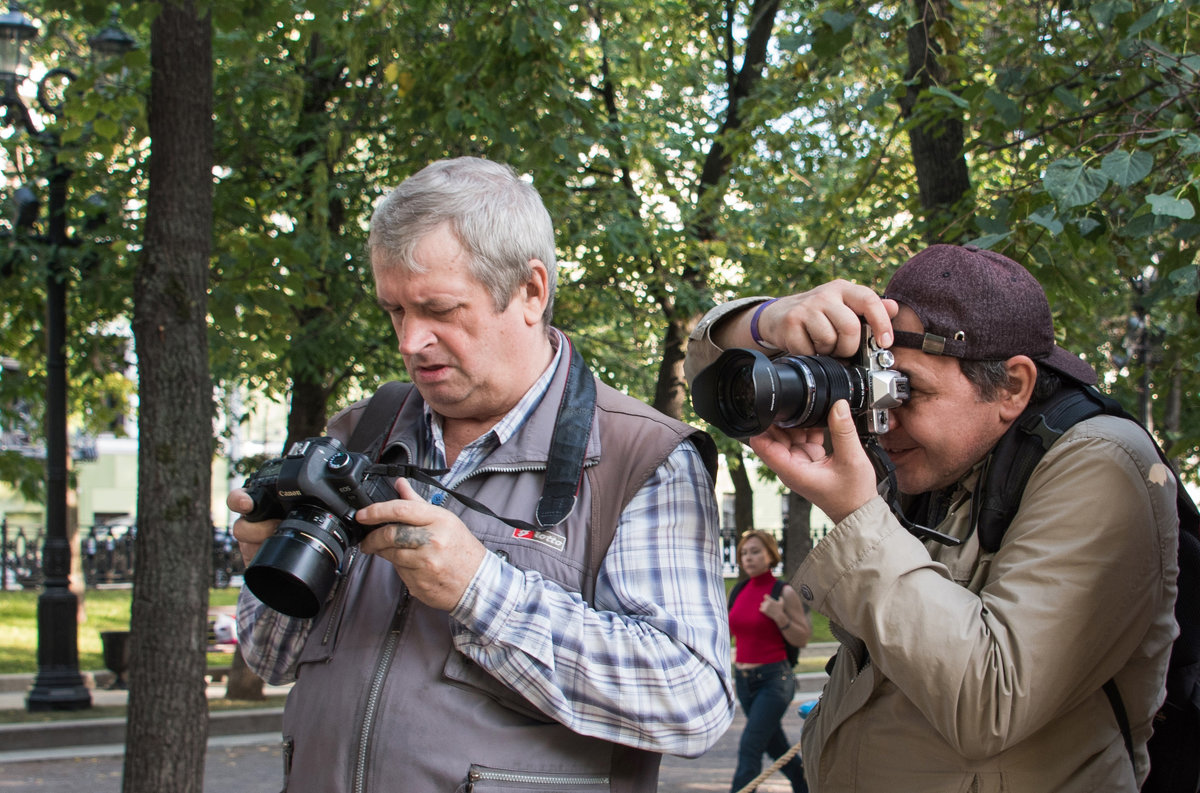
428,476
886,469
564,463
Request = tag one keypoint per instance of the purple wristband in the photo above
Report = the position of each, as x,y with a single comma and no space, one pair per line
766,345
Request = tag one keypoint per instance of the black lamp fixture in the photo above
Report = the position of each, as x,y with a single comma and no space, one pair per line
15,30
58,685
111,41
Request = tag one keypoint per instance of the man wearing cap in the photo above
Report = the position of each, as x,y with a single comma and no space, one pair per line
961,669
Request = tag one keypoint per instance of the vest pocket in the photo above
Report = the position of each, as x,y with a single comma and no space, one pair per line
481,779
465,673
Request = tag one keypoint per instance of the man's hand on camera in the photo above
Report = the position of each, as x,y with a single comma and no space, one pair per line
250,535
825,320
836,483
432,550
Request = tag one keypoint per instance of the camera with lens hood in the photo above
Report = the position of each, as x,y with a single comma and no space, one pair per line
316,488
743,392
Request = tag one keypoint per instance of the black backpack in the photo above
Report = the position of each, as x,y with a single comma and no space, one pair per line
1174,747
793,652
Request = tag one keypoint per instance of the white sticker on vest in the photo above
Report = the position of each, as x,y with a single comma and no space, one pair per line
555,541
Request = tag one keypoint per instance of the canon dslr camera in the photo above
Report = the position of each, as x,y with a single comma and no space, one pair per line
316,488
743,392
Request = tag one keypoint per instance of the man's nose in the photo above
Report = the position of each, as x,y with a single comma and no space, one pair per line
414,335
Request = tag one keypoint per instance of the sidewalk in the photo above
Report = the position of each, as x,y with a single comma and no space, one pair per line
243,747
91,736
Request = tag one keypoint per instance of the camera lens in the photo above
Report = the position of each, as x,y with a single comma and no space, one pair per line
296,567
810,384
741,396
744,391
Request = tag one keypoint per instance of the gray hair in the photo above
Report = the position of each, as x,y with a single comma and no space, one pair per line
496,216
990,377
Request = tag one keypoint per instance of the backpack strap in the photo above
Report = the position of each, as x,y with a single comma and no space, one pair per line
733,593
1018,452
1118,708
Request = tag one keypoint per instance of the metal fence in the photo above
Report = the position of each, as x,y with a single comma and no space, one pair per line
729,562
106,553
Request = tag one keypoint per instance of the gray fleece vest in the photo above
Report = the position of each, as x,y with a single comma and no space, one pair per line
382,700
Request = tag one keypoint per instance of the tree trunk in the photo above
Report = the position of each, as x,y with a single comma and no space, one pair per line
243,684
743,494
168,713
671,387
797,533
714,173
307,414
937,143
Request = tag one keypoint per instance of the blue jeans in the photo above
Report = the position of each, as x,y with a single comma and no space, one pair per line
765,693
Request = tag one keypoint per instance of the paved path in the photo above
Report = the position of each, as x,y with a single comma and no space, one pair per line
251,764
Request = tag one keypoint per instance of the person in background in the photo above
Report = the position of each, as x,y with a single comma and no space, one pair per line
765,615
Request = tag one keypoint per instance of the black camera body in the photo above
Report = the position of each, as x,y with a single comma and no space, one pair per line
316,489
743,392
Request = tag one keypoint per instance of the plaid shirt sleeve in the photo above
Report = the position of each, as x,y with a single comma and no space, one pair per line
270,642
648,666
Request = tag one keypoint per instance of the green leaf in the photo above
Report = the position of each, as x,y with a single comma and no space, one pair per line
1190,144
837,21
1087,225
988,240
1159,136
1104,13
1127,168
1067,98
1045,217
1072,184
1169,205
1149,18
937,90
106,128
1008,110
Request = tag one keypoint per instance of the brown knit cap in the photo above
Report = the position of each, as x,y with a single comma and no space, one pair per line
980,305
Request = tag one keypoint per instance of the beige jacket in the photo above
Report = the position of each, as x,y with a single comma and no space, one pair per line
983,672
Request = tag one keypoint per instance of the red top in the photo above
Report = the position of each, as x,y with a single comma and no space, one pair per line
758,639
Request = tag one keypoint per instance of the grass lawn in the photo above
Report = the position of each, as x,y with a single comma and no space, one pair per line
23,716
107,610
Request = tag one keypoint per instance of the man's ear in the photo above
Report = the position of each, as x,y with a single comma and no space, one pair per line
535,293
1014,398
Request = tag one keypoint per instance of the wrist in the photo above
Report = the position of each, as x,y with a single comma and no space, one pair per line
784,626
754,334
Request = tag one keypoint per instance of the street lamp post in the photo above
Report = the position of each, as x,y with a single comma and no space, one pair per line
58,685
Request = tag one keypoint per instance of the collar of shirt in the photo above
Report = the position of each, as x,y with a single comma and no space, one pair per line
474,453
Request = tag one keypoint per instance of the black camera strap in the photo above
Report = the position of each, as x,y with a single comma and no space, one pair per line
568,446
428,476
564,464
886,469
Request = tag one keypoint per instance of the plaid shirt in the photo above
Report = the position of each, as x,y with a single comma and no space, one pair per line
646,665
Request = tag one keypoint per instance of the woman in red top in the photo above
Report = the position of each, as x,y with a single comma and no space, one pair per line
762,625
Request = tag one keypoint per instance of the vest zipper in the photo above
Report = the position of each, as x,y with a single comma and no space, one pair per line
382,666
550,780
